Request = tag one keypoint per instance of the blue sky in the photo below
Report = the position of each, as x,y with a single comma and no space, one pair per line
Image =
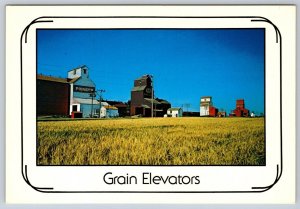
227,64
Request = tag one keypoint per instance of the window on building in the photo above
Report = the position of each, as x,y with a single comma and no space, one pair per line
84,71
74,108
74,72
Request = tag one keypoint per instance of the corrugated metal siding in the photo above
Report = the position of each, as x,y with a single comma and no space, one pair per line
83,81
86,101
204,110
86,109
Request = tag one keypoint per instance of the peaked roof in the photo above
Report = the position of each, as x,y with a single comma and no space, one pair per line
110,107
104,104
74,80
138,88
56,79
143,77
120,105
52,78
150,100
82,66
146,106
163,101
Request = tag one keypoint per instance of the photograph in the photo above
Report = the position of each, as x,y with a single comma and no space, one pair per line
150,97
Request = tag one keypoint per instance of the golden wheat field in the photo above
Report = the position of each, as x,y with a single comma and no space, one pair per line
152,141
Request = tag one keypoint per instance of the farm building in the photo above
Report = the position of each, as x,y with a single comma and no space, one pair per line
207,108
174,112
222,114
66,96
82,97
213,112
53,95
109,111
162,107
104,103
240,110
142,99
123,108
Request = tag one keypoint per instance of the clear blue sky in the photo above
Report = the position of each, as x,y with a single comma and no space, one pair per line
227,64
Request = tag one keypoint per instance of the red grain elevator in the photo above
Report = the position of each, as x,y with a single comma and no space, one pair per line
240,110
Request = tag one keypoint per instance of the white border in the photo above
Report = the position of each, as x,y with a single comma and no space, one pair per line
259,175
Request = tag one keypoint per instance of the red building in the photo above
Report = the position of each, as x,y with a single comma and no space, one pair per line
213,112
240,110
53,96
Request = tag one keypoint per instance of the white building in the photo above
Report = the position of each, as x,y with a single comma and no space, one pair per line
175,112
205,103
108,111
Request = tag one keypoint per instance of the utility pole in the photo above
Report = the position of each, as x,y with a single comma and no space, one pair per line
100,99
151,76
92,95
187,106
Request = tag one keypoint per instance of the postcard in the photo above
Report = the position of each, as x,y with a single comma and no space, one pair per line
150,104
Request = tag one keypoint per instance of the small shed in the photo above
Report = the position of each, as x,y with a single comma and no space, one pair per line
174,112
108,111
222,114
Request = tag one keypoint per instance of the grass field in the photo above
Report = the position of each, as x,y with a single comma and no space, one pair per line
147,141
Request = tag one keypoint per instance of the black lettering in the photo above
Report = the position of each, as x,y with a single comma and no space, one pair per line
172,178
197,180
146,178
156,179
108,180
186,178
